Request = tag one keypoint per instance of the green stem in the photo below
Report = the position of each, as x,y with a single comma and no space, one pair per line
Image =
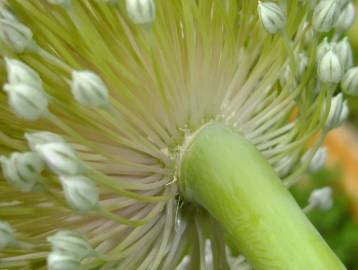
225,174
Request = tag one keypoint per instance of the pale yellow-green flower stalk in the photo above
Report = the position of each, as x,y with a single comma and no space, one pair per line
141,134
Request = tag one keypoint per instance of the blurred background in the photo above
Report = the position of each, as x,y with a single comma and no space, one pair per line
339,225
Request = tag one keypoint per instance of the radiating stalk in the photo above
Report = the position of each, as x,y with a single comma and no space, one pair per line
225,174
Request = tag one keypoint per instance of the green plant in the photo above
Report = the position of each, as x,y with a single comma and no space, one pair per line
153,135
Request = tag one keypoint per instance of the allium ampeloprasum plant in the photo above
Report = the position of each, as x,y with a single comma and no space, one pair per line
164,134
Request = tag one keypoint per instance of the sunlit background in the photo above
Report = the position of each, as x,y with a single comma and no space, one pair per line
339,225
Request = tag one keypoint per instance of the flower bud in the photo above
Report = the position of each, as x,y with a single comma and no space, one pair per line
28,102
271,16
141,11
344,113
7,236
322,49
325,15
60,261
89,89
349,82
16,35
302,61
42,137
334,116
71,243
284,166
318,159
22,170
60,158
80,192
329,68
19,72
321,198
344,52
346,18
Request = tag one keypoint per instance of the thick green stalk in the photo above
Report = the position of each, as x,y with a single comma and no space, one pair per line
225,174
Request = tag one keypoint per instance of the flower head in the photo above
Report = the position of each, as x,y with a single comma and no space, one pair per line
108,102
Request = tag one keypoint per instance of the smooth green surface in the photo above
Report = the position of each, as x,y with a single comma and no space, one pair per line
225,174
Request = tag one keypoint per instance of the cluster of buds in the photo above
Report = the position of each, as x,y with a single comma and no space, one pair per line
80,192
68,250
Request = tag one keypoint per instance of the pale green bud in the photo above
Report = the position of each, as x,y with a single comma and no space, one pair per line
329,68
7,236
334,116
344,51
42,137
71,243
60,158
60,261
271,16
322,49
22,170
16,35
345,112
325,15
321,198
285,165
346,18
19,72
141,11
80,192
89,89
27,101
349,82
318,160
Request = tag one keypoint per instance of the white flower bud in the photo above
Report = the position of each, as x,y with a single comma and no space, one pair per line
71,243
60,261
271,16
344,113
346,18
318,160
28,102
322,49
7,236
89,89
329,68
302,61
349,82
285,165
16,35
60,158
63,3
19,72
80,192
325,15
321,198
334,116
42,137
22,170
344,52
141,11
